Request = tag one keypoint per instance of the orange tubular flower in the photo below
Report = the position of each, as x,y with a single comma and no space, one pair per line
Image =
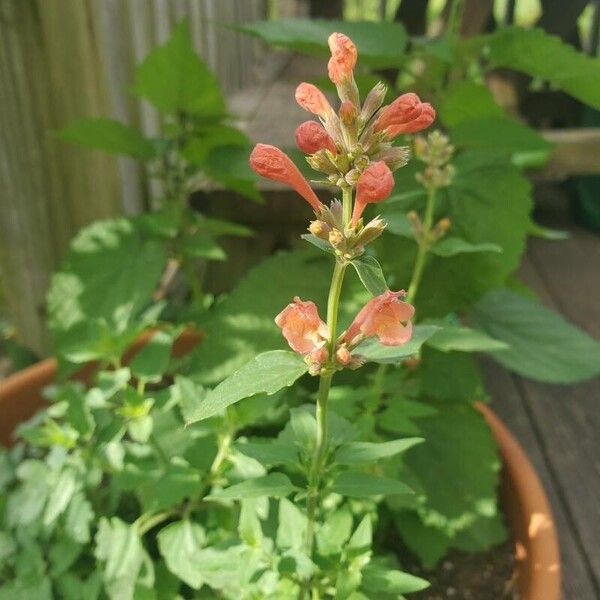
385,316
424,120
343,58
374,185
406,114
312,99
312,137
272,163
303,329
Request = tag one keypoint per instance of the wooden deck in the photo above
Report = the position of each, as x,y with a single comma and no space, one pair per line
559,425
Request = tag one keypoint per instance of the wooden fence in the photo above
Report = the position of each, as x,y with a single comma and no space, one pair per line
63,59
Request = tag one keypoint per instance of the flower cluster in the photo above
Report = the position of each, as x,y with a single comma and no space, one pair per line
354,149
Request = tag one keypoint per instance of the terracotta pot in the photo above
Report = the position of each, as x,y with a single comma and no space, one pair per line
523,498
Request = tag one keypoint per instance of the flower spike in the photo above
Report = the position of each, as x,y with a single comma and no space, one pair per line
272,163
374,185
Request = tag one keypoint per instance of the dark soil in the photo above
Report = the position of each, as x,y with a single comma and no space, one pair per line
478,576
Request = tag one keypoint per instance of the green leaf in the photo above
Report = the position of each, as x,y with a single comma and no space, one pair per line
390,581
398,224
370,273
317,242
108,135
229,166
379,44
188,395
524,145
457,441
106,279
358,485
464,339
175,79
364,452
79,517
373,351
152,361
467,100
539,54
119,548
273,485
270,453
451,246
266,373
546,233
249,527
64,489
179,543
292,524
334,532
200,245
542,345
362,538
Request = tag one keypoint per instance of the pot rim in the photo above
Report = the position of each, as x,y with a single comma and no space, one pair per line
524,498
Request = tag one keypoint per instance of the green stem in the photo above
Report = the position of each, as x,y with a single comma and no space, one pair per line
320,450
424,245
455,19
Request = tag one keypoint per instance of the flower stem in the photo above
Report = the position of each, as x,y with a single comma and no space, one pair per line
424,245
320,450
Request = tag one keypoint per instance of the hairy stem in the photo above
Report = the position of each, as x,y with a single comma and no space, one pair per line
424,245
320,450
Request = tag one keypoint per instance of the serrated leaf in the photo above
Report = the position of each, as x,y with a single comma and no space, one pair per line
373,351
542,345
249,527
273,485
464,339
266,373
364,452
540,54
108,135
371,274
379,44
175,79
451,246
334,532
64,489
357,484
79,516
179,544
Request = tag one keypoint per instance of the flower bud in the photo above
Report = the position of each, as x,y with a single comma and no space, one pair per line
321,161
424,120
348,113
371,231
337,239
441,228
352,177
320,229
343,57
374,185
272,163
312,99
312,137
373,101
415,224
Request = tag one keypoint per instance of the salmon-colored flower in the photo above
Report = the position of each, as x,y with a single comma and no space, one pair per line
343,57
385,316
272,163
406,114
424,120
348,112
374,185
312,137
303,329
312,99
